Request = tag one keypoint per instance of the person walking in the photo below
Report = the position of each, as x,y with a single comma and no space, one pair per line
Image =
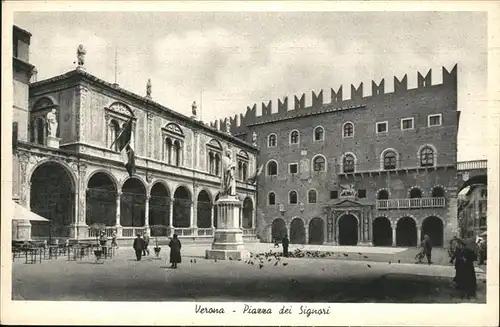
285,242
427,245
102,241
113,239
138,246
175,251
146,243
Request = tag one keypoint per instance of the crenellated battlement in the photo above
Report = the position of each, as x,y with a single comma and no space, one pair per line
337,101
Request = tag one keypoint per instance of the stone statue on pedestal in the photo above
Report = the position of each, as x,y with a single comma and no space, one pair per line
254,139
80,54
228,127
52,123
228,177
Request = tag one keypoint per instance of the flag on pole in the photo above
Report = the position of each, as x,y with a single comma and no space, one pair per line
125,145
253,179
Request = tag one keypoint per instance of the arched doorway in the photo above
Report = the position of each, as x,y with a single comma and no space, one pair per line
101,200
348,230
182,207
52,196
297,231
278,229
204,210
247,213
382,232
406,232
159,209
316,231
133,203
433,227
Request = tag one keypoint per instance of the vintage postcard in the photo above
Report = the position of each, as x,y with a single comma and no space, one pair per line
250,163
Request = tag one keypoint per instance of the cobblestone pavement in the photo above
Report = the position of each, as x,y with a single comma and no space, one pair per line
122,278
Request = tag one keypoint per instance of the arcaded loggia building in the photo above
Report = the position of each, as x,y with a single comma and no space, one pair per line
375,169
77,179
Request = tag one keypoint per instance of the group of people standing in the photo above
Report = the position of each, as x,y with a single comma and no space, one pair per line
141,243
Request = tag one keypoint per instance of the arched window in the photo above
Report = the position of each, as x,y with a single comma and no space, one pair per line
383,195
319,163
389,160
292,197
415,193
272,168
271,141
426,157
438,192
311,196
294,137
348,130
348,163
214,152
271,198
319,133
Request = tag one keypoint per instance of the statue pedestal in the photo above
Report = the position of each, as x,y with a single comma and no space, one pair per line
53,142
228,239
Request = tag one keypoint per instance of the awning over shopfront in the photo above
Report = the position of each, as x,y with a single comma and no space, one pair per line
21,213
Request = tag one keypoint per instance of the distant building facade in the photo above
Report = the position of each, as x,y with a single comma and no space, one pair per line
373,170
22,72
82,182
472,211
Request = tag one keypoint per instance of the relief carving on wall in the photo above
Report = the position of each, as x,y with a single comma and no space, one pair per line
149,116
121,109
82,170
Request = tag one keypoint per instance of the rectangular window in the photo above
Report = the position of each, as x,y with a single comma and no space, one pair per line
434,120
407,123
361,194
381,127
334,194
293,168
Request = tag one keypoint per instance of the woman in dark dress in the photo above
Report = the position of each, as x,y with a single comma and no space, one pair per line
465,277
175,251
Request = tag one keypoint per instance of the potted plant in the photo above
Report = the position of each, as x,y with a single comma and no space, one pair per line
97,227
156,229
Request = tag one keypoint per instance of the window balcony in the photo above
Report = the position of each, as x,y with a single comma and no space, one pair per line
415,203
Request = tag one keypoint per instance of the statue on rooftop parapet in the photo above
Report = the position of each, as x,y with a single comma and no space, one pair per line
148,89
80,54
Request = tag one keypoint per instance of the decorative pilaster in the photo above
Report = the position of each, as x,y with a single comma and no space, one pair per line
150,143
79,228
194,216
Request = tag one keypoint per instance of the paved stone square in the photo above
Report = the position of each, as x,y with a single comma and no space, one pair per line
122,278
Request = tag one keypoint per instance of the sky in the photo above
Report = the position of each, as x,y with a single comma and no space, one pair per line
226,61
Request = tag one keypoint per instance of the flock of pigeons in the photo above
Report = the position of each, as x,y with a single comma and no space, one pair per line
274,258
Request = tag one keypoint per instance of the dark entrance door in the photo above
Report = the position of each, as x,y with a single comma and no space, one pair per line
348,230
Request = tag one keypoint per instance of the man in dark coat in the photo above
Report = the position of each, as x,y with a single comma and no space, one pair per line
175,251
145,237
427,244
285,243
465,277
138,246
452,248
